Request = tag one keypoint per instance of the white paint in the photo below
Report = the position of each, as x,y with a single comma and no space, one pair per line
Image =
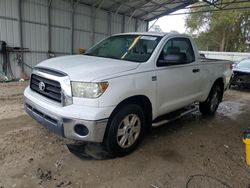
176,86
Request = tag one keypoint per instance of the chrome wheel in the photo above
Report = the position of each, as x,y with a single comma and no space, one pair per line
214,101
128,130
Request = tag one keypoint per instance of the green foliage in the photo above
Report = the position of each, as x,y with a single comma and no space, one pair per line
220,30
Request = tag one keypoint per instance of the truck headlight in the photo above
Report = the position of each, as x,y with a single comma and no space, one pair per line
88,90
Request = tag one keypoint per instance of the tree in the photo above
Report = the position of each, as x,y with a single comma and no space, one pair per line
220,30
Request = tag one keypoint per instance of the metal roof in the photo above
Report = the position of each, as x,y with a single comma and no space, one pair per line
142,9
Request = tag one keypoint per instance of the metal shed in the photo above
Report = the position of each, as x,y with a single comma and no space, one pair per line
62,27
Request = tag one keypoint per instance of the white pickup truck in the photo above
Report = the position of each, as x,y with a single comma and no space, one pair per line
123,86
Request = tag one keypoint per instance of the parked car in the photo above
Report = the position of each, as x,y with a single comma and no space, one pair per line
241,74
123,86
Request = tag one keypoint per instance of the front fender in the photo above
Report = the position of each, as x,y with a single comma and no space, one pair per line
121,88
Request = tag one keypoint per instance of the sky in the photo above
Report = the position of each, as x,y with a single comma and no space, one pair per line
170,23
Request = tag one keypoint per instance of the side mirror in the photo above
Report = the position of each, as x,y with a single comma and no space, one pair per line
172,59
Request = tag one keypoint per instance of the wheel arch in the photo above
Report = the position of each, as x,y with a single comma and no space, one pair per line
220,82
142,101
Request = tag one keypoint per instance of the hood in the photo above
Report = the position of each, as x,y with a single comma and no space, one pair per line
241,69
87,68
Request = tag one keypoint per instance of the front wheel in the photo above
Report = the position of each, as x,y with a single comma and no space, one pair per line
210,106
125,130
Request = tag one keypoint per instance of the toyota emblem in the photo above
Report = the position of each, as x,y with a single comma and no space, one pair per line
42,86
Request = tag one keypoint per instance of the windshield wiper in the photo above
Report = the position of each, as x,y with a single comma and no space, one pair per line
89,54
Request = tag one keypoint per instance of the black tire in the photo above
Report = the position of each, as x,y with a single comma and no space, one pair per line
210,106
112,141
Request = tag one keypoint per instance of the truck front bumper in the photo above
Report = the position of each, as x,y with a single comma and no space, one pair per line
63,125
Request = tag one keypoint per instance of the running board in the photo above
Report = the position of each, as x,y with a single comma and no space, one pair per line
164,121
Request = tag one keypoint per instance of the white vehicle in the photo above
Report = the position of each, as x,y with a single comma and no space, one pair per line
122,86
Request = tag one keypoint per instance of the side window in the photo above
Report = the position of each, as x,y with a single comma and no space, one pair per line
185,47
177,51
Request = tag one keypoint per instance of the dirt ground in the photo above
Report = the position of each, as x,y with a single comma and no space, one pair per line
194,151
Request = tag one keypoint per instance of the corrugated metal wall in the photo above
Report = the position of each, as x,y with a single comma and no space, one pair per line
88,28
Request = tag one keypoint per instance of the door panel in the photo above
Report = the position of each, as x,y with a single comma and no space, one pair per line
177,87
178,84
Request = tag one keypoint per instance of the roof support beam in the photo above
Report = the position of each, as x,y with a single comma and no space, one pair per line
117,10
136,24
96,2
142,4
123,23
156,7
93,19
147,27
222,4
72,27
145,9
181,6
48,27
215,10
100,4
20,32
117,5
153,24
109,23
142,22
93,14
72,15
212,3
76,3
131,17
222,7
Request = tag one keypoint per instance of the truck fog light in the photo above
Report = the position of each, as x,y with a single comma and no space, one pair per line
81,130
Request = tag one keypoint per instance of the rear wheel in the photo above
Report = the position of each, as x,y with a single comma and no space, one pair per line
125,130
210,106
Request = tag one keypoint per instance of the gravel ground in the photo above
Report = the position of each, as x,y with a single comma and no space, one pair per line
194,151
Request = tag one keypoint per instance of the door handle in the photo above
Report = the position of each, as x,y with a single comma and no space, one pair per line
154,78
196,70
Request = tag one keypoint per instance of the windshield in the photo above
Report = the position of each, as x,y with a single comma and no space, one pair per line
244,64
137,48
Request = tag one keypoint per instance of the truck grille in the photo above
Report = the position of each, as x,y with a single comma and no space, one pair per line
48,88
